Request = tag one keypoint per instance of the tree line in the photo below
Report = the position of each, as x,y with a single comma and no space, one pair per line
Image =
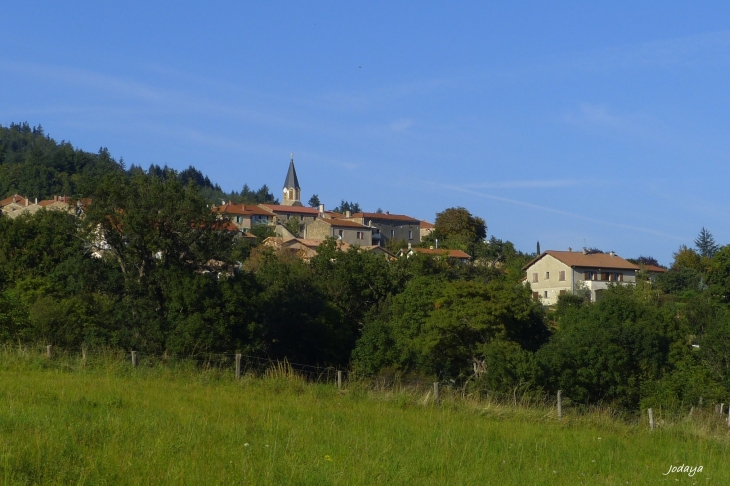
148,267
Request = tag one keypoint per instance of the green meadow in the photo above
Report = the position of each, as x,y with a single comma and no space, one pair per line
64,421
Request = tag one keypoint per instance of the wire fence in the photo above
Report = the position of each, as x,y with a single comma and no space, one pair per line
239,365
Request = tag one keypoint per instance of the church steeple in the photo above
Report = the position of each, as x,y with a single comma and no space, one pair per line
292,191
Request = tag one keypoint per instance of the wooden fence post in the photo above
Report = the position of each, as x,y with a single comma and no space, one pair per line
238,366
722,408
436,396
49,351
651,419
339,380
560,404
728,415
83,354
134,359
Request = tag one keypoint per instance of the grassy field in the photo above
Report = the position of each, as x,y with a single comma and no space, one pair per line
106,423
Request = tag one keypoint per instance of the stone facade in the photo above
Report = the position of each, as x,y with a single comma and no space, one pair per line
347,231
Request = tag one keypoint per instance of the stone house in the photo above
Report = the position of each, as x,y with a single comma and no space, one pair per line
344,230
557,272
387,227
244,216
456,255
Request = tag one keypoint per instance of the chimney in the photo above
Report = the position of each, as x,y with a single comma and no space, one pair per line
36,201
321,209
409,246
387,212
570,249
437,243
26,201
612,253
348,214
55,198
585,251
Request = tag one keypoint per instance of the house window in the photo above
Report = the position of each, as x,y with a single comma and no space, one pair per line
546,294
238,219
535,296
360,235
534,278
377,231
562,292
392,233
561,276
410,235
547,275
589,276
339,233
620,277
604,276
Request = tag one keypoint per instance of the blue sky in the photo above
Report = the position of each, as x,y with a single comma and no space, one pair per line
564,123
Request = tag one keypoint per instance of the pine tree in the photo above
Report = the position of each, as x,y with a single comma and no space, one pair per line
705,244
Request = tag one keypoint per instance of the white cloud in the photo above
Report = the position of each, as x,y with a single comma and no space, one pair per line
553,210
534,184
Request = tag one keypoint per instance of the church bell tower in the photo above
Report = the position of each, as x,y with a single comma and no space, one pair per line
292,191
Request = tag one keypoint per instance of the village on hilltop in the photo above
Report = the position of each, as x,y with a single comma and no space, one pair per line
300,230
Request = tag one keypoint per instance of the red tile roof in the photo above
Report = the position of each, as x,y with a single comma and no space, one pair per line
386,216
427,225
441,252
654,268
345,223
280,208
17,199
241,209
590,260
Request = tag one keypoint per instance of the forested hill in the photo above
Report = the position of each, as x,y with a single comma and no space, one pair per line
33,164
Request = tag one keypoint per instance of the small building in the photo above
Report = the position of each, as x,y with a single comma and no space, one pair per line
281,214
457,255
387,227
426,229
344,230
554,273
244,216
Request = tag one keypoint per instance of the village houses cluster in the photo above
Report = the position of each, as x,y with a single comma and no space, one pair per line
550,274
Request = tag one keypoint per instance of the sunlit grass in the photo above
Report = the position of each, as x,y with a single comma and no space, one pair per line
104,422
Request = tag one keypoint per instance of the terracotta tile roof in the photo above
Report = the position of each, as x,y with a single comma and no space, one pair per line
17,199
590,260
308,242
441,252
427,225
345,223
654,268
56,199
386,216
280,208
227,225
241,209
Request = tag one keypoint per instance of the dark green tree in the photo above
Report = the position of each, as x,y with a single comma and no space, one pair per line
705,244
314,201
457,228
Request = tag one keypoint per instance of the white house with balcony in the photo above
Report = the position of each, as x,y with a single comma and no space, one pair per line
557,272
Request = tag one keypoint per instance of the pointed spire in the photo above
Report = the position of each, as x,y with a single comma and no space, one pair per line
291,176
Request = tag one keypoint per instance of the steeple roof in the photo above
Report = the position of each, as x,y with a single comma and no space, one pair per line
291,177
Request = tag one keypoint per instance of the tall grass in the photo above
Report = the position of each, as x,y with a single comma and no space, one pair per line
100,421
